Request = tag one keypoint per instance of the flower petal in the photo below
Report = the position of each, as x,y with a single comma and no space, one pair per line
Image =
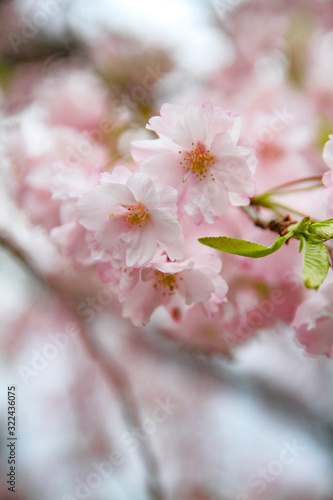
108,233
141,245
95,206
119,174
328,152
165,169
143,189
165,123
198,288
190,128
167,227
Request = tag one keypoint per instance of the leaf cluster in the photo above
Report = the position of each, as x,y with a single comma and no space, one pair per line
312,236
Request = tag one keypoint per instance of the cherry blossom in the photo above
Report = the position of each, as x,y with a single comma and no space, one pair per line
174,285
197,153
328,176
72,238
132,218
313,322
167,293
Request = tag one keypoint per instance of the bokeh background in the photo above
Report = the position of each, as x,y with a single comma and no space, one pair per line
107,411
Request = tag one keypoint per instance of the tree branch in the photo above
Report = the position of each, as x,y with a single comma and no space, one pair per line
277,224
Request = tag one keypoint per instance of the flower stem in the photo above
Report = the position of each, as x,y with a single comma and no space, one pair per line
288,209
282,187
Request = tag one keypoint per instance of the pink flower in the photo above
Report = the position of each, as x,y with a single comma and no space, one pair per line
71,238
328,152
40,152
75,98
314,322
328,176
197,153
130,217
174,285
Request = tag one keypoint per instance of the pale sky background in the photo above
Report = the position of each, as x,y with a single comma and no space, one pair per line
184,27
179,25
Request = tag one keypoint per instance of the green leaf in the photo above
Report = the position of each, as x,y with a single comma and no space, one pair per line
242,247
324,229
302,241
315,265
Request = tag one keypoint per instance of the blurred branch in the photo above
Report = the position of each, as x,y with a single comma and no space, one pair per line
17,252
41,53
115,374
118,379
278,399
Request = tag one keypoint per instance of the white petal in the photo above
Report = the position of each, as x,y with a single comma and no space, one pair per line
165,169
119,175
167,227
236,129
69,185
168,200
108,233
141,246
198,288
164,124
144,149
190,128
328,152
174,249
143,189
95,206
235,183
140,302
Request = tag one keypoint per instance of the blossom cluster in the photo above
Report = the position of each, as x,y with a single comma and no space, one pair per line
134,217
131,137
137,224
131,221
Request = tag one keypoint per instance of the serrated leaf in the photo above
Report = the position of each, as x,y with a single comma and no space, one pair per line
322,229
242,247
315,264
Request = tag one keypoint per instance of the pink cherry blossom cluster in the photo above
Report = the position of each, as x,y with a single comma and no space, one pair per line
138,224
132,218
130,138
131,221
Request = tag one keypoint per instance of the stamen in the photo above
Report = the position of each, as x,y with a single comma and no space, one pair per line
197,162
166,281
136,215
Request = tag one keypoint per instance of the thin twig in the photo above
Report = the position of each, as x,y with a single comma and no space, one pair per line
282,187
278,225
288,209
